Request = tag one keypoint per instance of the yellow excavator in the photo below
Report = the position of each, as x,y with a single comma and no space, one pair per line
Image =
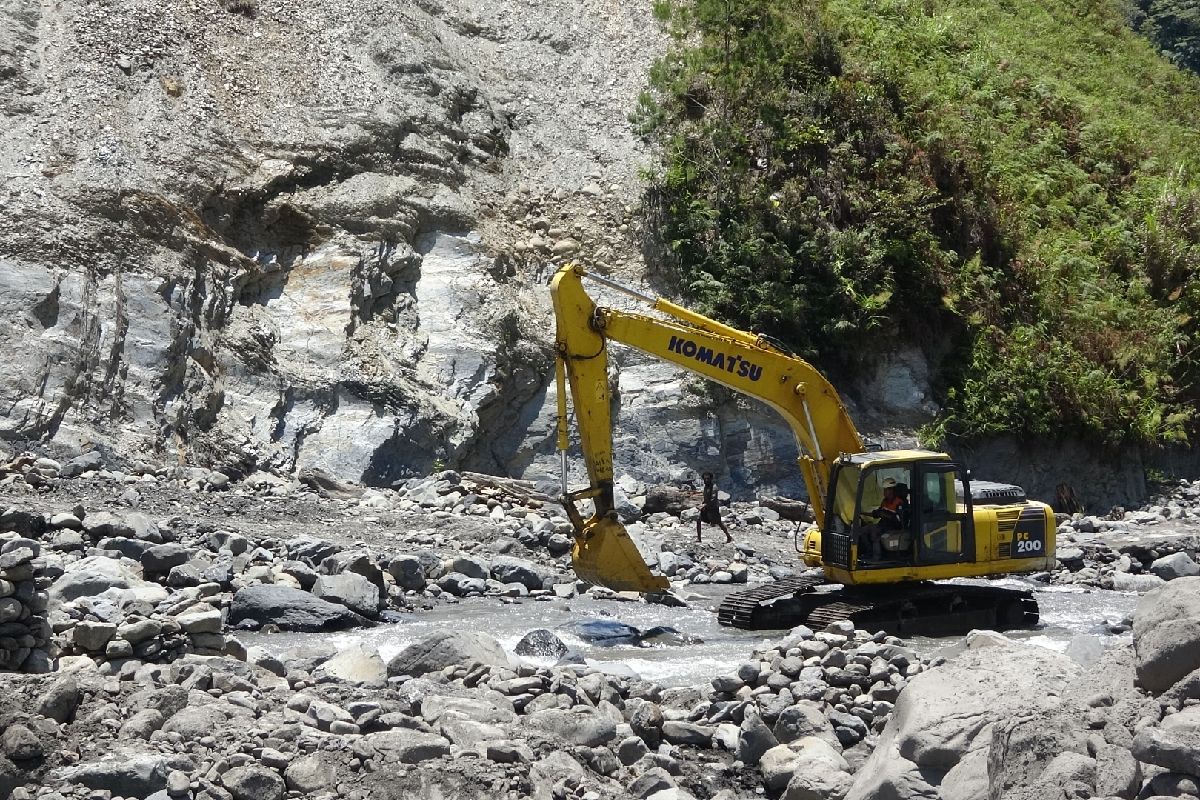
878,570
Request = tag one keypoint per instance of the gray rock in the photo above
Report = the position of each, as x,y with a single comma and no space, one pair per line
555,769
200,621
408,572
195,722
93,636
178,784
778,765
60,700
468,733
291,610
91,576
100,524
310,774
1118,773
689,733
20,744
485,707
505,752
356,664
1176,565
460,585
819,772
351,590
674,793
514,570
1166,634
139,630
254,783
407,746
802,719
1125,582
647,721
466,565
754,739
1175,749
141,724
631,750
1039,750
952,714
578,726
541,643
447,648
125,774
653,780
161,558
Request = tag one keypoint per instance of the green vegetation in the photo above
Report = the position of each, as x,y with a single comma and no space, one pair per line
1010,185
1174,26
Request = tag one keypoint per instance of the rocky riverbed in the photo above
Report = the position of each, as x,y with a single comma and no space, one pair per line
273,638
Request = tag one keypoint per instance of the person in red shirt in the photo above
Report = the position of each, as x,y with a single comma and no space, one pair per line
890,514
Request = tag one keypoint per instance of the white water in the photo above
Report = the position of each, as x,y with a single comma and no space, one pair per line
1066,612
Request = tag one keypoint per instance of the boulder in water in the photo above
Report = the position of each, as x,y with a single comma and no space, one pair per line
603,632
445,649
290,609
542,643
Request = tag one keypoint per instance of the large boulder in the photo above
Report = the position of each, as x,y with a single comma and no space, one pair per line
1174,746
407,746
356,664
820,772
94,575
130,775
349,589
253,783
993,699
408,572
541,643
1166,634
447,648
515,570
1176,565
291,610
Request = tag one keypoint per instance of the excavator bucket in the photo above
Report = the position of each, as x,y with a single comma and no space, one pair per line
604,554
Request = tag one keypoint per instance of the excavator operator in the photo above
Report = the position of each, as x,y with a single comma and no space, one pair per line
892,514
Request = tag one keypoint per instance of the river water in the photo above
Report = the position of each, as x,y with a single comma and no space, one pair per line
1066,612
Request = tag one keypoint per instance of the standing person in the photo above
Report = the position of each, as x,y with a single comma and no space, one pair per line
710,508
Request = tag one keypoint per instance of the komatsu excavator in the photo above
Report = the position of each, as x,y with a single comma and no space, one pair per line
951,529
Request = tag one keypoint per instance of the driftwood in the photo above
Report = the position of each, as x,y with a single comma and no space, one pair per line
513,486
787,508
325,484
669,499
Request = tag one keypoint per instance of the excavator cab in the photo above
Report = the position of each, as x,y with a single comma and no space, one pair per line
896,515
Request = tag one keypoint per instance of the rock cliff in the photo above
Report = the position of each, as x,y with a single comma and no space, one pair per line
278,234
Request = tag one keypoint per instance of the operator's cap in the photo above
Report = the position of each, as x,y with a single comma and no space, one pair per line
889,483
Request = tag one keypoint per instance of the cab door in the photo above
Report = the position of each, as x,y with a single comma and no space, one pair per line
945,529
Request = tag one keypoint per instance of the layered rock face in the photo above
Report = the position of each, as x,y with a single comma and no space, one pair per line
249,234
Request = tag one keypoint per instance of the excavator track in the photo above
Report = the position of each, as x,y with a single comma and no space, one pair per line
923,608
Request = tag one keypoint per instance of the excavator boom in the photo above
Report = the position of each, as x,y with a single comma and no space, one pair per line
743,361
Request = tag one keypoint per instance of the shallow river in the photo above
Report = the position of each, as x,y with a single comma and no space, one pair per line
1066,612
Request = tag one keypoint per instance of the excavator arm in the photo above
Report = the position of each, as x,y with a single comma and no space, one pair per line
603,552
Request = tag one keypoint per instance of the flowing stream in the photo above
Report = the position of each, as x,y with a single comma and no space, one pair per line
1066,612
